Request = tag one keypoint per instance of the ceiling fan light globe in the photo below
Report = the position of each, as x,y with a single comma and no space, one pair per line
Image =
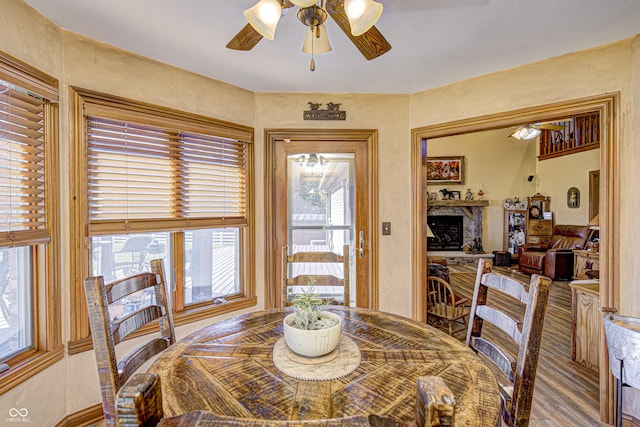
362,14
264,17
313,44
303,3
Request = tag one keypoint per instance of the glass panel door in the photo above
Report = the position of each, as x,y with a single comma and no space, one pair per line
321,209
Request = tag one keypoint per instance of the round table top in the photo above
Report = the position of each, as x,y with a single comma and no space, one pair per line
227,368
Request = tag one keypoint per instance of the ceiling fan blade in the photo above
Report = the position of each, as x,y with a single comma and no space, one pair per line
550,126
371,44
246,39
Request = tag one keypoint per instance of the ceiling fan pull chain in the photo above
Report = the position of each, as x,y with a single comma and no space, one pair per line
312,64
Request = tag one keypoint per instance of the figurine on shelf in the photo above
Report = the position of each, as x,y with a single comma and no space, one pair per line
480,193
469,195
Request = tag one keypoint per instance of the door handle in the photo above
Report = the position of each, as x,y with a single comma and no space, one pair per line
361,244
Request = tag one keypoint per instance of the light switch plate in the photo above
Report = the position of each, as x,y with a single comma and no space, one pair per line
386,228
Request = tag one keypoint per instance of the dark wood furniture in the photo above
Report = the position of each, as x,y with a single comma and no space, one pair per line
227,368
586,323
108,331
555,259
317,274
519,366
444,304
139,403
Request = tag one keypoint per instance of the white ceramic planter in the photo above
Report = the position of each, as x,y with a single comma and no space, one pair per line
313,343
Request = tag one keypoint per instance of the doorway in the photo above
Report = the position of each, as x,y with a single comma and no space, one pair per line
609,206
320,195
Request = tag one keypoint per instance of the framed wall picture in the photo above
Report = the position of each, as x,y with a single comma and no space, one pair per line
573,197
445,170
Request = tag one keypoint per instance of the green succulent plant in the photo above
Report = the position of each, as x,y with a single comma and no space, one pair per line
309,307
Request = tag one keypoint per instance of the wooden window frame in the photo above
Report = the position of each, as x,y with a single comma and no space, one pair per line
47,324
86,102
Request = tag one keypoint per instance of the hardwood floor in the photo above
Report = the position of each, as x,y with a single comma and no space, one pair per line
566,393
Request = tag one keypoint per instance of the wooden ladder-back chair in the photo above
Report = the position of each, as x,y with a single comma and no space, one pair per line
526,333
139,403
322,277
106,331
443,303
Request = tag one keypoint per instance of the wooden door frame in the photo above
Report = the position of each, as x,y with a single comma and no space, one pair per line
370,136
608,107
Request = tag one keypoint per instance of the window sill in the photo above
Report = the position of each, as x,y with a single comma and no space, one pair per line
27,366
179,319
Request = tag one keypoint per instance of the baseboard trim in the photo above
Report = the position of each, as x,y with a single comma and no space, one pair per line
84,417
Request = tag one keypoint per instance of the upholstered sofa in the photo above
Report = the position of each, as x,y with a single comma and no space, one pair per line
554,260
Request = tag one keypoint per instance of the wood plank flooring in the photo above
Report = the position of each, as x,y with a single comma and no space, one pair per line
566,393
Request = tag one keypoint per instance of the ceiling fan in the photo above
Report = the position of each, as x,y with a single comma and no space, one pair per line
356,18
531,131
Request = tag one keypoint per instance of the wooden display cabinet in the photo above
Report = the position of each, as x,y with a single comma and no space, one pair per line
515,229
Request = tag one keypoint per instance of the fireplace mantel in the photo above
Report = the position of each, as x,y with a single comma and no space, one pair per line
458,203
462,204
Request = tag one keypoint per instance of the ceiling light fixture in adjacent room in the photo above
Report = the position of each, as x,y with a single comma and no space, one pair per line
525,132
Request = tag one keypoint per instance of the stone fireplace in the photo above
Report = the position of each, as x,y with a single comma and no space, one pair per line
455,223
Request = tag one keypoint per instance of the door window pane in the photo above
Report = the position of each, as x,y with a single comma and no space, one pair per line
16,329
321,202
212,267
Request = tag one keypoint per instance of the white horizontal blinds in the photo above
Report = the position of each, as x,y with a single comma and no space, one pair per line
142,178
214,182
129,171
22,168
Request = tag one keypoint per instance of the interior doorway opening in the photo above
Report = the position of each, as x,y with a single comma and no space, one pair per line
609,206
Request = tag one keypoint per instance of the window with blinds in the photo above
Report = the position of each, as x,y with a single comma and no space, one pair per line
30,327
22,164
142,177
153,182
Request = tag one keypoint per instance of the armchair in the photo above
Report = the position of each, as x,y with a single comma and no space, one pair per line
554,260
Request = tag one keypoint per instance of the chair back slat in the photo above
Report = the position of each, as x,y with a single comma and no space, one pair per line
321,275
502,321
315,257
525,334
515,290
129,285
323,280
136,358
106,331
501,358
123,327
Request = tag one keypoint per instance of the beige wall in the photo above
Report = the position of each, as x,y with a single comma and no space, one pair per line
71,384
555,176
605,69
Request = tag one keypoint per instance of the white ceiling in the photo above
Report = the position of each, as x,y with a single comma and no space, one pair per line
434,42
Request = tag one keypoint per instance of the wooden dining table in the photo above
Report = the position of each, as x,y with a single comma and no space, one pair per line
228,368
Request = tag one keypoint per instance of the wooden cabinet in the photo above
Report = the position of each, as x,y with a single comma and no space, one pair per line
586,322
583,261
539,231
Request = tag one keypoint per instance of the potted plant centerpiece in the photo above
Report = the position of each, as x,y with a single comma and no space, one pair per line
311,331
